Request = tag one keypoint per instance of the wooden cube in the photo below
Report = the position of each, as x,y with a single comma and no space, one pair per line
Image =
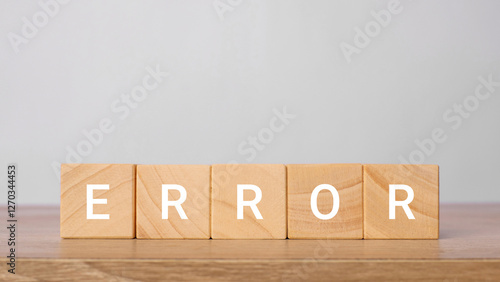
334,211
97,201
173,201
250,219
388,211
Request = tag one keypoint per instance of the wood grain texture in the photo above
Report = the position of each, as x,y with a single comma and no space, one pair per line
120,200
255,270
468,249
347,180
468,231
423,179
195,179
271,179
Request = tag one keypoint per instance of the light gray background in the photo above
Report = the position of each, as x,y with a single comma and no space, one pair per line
227,76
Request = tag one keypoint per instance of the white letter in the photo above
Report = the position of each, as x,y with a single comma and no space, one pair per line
177,204
314,201
91,201
252,204
393,203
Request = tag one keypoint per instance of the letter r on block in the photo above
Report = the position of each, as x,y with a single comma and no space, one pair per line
404,204
165,203
252,204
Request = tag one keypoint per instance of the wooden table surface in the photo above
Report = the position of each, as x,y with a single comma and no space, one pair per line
468,249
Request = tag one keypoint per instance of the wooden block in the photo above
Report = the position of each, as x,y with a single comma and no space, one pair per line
116,187
152,200
378,180
228,180
346,179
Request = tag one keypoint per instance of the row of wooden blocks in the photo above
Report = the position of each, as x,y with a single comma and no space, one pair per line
250,201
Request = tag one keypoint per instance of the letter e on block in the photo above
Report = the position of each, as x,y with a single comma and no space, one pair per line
97,201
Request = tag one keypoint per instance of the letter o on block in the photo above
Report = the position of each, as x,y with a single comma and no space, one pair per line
325,201
314,201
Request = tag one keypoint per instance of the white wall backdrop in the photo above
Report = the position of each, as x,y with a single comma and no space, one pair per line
198,82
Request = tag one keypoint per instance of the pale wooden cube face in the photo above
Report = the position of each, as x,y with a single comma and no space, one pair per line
424,208
249,201
346,179
270,180
84,188
157,185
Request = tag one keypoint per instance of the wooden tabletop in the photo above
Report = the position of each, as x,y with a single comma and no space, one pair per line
468,248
